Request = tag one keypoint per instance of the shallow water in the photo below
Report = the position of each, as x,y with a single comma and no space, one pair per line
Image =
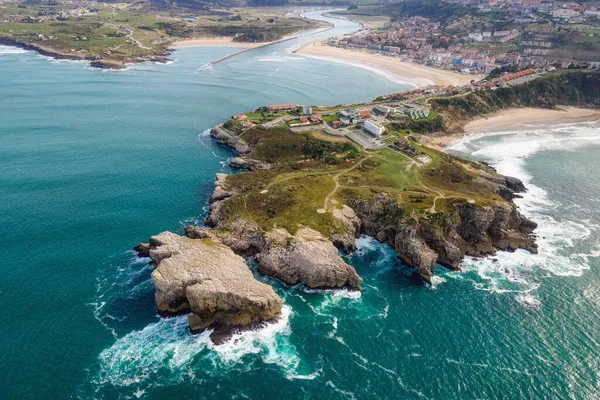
92,162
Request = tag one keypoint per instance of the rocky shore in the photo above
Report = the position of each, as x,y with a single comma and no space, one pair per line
95,61
204,272
206,278
443,238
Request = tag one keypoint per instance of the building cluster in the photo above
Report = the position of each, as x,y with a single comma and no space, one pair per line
47,16
526,38
243,119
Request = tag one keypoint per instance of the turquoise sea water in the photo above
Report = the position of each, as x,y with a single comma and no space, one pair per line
92,162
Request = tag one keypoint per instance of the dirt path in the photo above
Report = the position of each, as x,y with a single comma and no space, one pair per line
337,184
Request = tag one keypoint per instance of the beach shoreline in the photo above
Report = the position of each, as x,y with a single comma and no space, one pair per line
415,74
514,119
213,41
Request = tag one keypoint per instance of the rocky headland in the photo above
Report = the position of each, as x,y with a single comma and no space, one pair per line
299,201
421,241
206,278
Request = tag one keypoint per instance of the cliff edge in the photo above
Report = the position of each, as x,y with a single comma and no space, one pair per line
206,278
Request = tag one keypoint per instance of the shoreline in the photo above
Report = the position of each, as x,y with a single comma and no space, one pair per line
415,74
215,41
246,46
514,119
224,41
94,62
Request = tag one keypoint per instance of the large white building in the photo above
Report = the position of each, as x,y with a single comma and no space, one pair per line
373,127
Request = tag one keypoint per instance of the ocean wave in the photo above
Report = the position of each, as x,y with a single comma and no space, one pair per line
518,272
275,58
165,352
11,50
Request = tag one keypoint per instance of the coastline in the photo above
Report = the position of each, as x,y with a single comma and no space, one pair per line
94,62
213,41
415,74
515,119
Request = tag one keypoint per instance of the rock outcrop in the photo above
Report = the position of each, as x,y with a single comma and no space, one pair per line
249,164
348,218
206,278
230,140
465,230
220,192
307,257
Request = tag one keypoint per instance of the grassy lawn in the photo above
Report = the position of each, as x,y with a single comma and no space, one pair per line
329,118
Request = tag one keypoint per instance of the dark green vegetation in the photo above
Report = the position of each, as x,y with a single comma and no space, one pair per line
431,124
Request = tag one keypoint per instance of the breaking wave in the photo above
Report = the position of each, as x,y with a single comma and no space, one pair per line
559,239
11,50
166,353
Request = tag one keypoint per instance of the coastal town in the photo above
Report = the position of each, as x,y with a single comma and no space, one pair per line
387,122
488,35
368,125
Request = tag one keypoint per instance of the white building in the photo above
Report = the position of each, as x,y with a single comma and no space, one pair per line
373,127
383,110
478,37
345,120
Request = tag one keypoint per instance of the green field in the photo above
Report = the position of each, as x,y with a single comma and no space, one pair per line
118,33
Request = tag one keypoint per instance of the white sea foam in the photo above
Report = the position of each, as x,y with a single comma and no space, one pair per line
205,140
275,58
11,50
345,393
135,358
331,298
508,152
528,300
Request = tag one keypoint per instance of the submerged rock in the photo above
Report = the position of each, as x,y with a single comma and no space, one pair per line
208,279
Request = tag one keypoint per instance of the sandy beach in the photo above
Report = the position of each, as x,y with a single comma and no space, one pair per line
516,118
415,74
226,41
526,116
214,41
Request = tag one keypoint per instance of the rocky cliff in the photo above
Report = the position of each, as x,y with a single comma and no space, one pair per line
422,237
206,278
447,237
307,257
